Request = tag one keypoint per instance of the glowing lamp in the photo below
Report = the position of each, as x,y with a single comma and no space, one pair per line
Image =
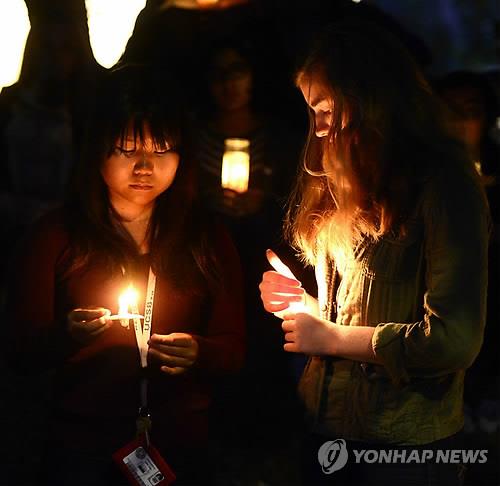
14,28
111,23
236,164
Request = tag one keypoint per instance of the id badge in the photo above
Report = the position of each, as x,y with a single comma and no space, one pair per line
143,465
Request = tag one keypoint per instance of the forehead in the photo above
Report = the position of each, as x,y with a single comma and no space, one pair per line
130,139
314,91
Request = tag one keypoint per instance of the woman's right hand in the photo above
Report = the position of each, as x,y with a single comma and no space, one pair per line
85,324
278,292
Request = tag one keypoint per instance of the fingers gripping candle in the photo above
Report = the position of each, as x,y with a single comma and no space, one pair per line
282,269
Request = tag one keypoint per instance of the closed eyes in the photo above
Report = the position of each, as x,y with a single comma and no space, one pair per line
132,151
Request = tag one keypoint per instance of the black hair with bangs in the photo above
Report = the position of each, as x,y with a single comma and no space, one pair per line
129,99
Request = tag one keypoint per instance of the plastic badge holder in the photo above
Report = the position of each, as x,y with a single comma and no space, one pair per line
143,465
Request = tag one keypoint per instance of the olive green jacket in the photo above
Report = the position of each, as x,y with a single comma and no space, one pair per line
425,294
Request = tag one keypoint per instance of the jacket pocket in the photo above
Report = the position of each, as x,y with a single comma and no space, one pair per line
395,259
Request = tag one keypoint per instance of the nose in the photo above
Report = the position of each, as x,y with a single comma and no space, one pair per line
321,132
143,167
322,125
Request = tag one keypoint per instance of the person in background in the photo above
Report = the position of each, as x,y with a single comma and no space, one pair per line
41,119
391,213
474,111
132,219
233,108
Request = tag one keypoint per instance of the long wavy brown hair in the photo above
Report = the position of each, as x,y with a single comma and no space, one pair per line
388,134
131,98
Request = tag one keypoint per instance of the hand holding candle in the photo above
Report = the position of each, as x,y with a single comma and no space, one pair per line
176,352
86,324
279,289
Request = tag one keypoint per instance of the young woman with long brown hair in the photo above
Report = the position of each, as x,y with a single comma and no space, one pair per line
132,219
392,215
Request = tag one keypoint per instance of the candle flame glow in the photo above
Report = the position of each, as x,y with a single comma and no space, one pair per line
127,300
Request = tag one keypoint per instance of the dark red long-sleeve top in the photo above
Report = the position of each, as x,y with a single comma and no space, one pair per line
97,385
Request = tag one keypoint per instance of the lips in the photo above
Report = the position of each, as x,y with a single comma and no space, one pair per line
141,187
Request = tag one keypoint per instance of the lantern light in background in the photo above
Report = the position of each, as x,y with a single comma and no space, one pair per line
111,23
203,3
14,28
236,164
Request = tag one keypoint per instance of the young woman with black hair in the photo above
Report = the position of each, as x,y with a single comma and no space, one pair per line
132,219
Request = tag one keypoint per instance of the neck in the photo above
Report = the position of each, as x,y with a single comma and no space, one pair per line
136,222
131,214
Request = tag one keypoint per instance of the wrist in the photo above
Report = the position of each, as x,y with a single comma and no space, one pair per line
331,338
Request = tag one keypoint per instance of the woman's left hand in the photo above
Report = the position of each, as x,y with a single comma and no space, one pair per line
308,334
176,352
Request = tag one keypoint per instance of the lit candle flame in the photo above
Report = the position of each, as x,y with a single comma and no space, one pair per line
127,307
127,300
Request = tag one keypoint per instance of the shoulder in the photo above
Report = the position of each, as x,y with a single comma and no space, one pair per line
453,206
453,188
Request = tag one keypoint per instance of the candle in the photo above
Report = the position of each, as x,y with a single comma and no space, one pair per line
126,317
278,265
127,301
236,165
281,268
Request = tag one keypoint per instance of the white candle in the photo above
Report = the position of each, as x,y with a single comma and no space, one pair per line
281,268
125,317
